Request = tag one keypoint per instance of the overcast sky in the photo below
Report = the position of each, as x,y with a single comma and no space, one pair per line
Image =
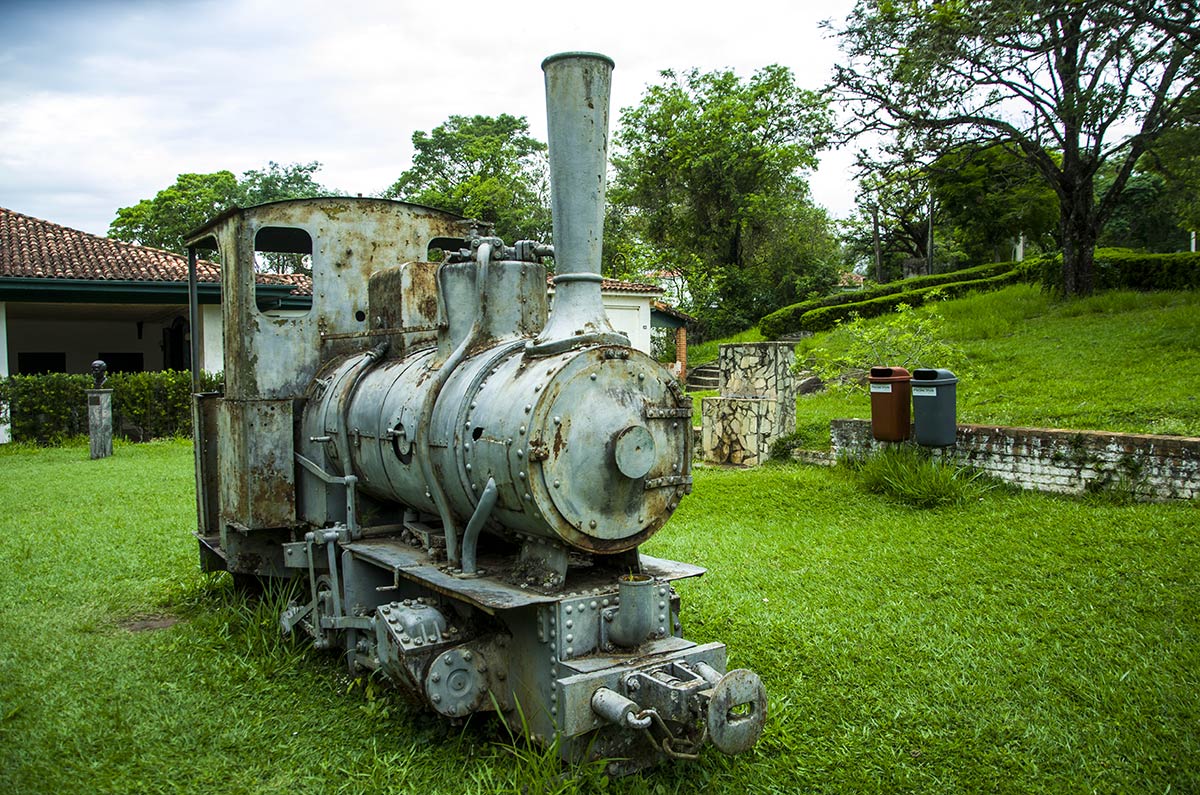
104,102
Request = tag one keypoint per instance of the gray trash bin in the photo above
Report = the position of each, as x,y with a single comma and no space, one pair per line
934,394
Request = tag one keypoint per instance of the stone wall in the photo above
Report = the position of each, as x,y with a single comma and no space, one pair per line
738,430
1068,462
757,403
758,369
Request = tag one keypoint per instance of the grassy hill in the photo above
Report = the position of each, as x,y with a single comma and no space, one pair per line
1118,361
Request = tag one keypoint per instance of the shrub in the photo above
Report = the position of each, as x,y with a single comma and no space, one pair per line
782,446
1119,268
48,408
911,476
903,339
45,408
786,320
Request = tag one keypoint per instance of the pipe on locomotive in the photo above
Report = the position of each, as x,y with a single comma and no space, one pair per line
578,85
440,377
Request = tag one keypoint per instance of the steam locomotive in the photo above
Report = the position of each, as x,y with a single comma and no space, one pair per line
461,477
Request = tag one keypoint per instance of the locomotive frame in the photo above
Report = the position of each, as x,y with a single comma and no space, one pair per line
353,441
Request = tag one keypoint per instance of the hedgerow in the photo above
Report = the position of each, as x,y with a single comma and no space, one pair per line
46,409
784,321
827,317
1123,269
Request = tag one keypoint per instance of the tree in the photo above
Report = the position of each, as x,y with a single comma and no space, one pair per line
710,166
1070,85
276,182
164,221
1176,158
990,197
482,167
1144,218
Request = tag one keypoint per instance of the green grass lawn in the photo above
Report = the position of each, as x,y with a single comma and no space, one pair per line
1021,643
1119,361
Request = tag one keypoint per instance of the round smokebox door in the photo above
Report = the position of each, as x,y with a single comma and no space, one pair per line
602,449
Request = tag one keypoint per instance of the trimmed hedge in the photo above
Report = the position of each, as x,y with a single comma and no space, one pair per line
827,317
47,408
1124,269
786,320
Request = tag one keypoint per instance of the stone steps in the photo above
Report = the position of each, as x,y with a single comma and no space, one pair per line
706,376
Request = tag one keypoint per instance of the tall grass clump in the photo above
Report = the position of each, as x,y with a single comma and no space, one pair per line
913,477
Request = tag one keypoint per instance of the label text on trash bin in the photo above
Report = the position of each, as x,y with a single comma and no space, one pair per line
881,387
924,391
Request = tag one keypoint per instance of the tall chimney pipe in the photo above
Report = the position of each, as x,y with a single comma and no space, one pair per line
577,98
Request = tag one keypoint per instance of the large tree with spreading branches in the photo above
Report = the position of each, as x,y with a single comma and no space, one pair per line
1071,86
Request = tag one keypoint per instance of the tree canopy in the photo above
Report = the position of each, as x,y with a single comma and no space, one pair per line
1067,85
163,221
1176,158
485,168
709,177
990,197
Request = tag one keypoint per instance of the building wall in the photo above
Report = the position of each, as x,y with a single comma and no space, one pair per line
630,314
5,435
83,340
3,339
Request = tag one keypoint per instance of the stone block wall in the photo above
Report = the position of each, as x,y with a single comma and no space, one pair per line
758,369
757,403
1067,462
738,430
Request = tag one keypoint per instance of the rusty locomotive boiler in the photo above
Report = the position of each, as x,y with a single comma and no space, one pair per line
461,478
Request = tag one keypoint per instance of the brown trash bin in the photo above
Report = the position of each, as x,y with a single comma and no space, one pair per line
891,397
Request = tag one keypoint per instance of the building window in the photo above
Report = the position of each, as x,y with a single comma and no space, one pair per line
37,363
122,362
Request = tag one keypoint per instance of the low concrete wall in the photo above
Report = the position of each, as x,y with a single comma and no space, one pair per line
1068,462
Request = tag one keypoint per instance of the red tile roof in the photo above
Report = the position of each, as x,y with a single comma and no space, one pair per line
37,249
671,311
33,248
617,286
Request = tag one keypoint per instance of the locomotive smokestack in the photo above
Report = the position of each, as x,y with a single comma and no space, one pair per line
577,92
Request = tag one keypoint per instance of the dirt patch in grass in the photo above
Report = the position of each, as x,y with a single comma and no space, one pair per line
147,623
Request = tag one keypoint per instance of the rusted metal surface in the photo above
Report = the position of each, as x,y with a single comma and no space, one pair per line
255,459
577,91
352,239
206,439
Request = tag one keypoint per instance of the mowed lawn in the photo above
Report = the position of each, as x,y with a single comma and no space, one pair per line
1020,643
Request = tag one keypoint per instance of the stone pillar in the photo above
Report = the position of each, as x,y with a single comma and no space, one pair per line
5,436
738,430
100,432
757,403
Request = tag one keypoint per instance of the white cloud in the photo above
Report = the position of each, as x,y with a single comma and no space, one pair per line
104,103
